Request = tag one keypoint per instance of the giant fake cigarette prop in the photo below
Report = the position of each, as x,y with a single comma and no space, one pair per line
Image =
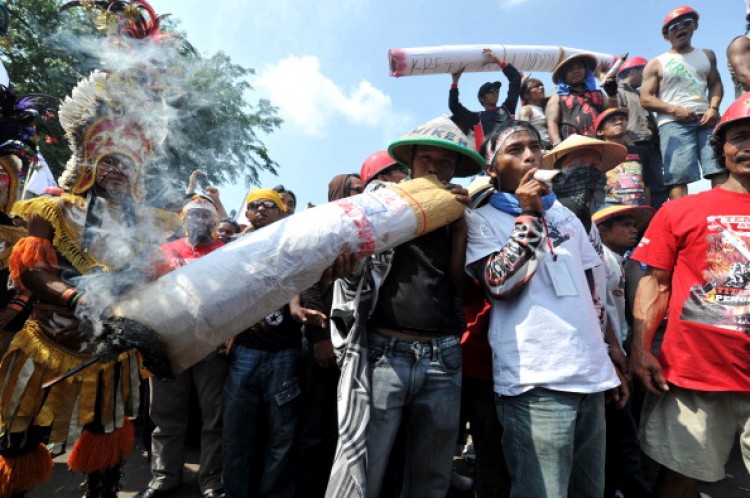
194,309
448,59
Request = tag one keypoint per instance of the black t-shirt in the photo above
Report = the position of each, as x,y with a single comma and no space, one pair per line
417,296
275,332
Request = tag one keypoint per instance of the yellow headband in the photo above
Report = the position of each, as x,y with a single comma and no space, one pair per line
266,193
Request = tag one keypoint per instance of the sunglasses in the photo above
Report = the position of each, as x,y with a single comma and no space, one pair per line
493,91
253,206
685,23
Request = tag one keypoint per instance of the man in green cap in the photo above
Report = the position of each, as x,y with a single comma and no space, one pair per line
411,318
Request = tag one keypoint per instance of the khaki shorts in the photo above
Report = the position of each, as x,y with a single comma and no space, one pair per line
692,432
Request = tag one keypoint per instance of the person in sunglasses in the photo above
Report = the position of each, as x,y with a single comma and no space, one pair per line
263,207
262,393
684,89
485,121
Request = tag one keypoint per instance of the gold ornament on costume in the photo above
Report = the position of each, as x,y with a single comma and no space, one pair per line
104,21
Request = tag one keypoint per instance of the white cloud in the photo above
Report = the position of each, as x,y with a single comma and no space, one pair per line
310,100
509,4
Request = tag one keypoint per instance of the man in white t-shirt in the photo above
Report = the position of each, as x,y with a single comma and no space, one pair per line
550,362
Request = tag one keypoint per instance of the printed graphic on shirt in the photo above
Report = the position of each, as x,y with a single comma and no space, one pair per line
625,183
689,82
275,318
724,300
558,227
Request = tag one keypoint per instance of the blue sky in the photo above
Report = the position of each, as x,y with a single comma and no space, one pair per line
324,63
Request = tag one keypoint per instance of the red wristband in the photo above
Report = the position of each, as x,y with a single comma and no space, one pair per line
454,85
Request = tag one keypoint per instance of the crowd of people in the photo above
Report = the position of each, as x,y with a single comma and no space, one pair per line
584,312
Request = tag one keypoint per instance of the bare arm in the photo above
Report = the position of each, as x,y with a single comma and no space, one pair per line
715,92
738,55
193,182
46,285
524,114
651,302
552,113
213,193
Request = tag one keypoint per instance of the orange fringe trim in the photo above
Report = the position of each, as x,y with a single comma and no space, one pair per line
24,473
31,253
93,452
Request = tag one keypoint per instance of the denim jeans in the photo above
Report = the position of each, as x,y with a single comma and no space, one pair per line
686,152
418,383
260,414
491,479
554,443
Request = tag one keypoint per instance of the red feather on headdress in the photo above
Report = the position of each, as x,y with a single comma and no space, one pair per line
136,18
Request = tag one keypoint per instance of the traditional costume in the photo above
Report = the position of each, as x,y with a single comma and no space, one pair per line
90,230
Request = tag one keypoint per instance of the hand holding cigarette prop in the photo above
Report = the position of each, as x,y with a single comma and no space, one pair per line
195,308
546,176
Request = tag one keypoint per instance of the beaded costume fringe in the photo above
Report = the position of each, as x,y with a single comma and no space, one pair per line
66,240
33,358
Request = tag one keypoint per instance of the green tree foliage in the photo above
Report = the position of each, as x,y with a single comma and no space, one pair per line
221,132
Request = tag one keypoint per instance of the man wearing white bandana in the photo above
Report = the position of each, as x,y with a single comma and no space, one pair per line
550,363
169,398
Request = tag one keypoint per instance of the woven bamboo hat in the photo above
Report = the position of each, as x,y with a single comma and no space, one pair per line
612,153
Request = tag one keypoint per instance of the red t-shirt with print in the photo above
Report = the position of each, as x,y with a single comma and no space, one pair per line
705,240
179,253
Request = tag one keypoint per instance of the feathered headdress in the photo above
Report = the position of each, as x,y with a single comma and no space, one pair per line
19,118
114,112
96,125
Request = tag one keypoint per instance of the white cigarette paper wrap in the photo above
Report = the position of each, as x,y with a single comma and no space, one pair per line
197,307
448,59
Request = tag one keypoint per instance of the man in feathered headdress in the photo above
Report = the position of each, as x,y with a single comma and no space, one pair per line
99,225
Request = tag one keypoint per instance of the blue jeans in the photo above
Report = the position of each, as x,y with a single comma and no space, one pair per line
419,383
261,404
554,443
685,152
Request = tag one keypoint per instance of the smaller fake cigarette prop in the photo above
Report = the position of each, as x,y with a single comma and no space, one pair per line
546,175
616,66
197,307
446,59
